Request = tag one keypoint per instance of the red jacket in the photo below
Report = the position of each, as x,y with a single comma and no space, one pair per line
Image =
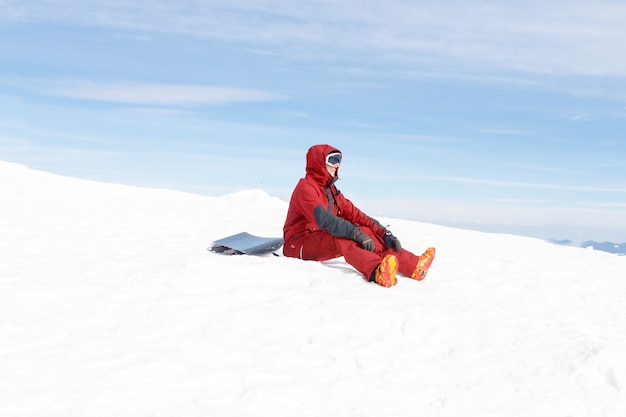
316,204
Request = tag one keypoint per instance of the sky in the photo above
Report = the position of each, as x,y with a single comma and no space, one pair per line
499,116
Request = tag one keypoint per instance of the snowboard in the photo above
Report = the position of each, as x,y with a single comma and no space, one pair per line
245,243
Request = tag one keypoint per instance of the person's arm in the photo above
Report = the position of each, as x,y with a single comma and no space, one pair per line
308,203
311,202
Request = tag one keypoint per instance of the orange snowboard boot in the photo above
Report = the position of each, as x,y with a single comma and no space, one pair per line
385,273
421,269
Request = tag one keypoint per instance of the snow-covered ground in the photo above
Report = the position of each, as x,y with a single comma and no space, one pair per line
110,305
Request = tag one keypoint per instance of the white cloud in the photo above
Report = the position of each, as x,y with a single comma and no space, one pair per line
158,94
614,205
509,184
564,37
520,213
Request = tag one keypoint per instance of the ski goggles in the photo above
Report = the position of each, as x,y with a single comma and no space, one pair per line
333,159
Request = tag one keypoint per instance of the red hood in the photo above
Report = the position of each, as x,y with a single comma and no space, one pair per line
316,163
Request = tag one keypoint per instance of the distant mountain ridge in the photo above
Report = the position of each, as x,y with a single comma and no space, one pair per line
611,247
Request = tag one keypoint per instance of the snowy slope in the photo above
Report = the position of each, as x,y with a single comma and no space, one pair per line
110,305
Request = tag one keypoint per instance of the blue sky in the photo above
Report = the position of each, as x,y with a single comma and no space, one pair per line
500,115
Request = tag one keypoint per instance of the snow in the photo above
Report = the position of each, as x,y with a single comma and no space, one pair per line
110,305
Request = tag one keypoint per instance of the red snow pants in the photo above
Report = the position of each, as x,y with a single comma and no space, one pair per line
322,246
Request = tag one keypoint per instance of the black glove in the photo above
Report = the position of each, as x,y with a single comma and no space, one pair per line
363,239
391,241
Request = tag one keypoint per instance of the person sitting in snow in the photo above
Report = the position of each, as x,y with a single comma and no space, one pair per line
322,224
